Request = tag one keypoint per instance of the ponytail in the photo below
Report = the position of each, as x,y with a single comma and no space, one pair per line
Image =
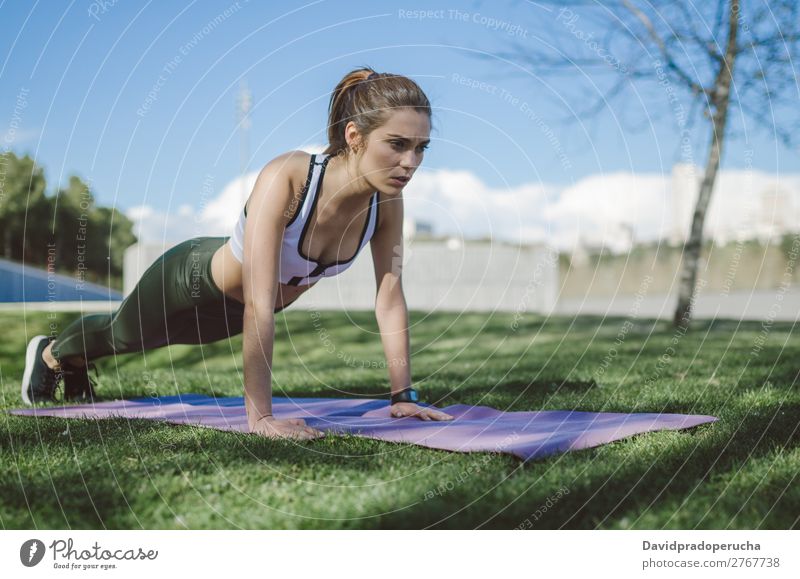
368,98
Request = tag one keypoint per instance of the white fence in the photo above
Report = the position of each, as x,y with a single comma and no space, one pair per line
484,277
437,276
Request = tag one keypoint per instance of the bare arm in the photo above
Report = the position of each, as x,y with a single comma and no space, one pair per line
267,216
391,310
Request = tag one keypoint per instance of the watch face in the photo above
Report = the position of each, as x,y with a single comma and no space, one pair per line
413,396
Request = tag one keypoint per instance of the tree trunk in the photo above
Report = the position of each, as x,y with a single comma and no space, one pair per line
694,244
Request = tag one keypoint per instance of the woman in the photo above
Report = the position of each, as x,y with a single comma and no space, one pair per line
293,230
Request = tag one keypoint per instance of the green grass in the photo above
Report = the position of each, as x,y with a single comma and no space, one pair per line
738,473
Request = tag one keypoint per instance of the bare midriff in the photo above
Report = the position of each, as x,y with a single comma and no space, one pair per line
226,273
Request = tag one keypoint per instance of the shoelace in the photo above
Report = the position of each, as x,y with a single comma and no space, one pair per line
50,380
88,392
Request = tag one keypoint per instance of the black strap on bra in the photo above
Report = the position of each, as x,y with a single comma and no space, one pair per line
317,270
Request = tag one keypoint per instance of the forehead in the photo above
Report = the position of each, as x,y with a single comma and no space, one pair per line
407,123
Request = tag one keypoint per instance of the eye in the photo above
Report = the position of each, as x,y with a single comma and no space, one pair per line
400,145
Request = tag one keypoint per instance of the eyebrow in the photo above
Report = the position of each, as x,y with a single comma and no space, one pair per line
426,142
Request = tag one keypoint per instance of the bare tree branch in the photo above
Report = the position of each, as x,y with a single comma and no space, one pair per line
734,62
670,61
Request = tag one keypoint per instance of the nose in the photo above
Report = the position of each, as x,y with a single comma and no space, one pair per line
410,159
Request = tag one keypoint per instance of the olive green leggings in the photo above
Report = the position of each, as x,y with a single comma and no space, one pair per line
175,302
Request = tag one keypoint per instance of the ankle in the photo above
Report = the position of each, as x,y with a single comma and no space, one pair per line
49,359
54,364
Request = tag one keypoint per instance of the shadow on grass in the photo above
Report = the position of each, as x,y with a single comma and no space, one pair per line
604,483
87,479
615,482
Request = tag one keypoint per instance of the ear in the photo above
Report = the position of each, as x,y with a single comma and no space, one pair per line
353,137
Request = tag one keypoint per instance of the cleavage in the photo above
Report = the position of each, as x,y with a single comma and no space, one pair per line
353,226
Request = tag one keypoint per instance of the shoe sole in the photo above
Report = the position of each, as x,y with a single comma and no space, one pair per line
30,360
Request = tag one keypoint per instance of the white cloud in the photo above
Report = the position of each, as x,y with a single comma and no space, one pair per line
220,214
314,149
459,203
605,209
13,135
609,209
214,217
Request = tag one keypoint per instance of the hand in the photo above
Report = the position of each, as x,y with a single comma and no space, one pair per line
292,428
400,409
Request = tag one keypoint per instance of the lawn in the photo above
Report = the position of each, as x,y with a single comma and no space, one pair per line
738,473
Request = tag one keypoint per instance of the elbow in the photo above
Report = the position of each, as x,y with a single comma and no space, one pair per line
390,304
389,294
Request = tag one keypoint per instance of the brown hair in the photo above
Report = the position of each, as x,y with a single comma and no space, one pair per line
368,98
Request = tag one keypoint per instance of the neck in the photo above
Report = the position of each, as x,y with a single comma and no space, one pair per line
345,187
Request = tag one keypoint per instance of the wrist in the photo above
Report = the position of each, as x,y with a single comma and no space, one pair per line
407,394
256,419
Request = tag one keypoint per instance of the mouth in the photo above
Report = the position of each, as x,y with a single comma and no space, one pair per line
399,181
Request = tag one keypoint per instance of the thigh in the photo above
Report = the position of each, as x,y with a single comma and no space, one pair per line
141,321
199,312
204,324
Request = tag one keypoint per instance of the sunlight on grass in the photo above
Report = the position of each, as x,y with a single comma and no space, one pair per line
740,472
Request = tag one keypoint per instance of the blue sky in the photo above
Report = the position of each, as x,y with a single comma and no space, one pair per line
84,70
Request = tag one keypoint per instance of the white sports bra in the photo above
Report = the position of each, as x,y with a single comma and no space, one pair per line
295,267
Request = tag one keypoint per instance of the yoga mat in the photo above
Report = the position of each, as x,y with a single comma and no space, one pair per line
527,435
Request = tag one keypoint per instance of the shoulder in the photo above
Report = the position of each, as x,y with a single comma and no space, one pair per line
291,164
282,177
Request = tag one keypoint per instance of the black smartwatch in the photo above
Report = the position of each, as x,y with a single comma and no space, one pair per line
406,395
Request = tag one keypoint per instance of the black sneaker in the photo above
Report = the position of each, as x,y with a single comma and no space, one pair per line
77,383
39,382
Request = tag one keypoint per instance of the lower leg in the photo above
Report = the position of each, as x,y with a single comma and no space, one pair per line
90,337
54,364
160,310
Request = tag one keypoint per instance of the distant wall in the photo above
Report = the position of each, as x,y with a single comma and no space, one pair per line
436,277
471,277
742,281
137,258
735,267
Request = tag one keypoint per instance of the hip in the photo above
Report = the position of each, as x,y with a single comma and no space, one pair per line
189,263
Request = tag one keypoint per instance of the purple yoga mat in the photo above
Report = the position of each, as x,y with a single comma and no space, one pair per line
474,428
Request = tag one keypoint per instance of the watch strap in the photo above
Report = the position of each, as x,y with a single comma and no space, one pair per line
405,395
